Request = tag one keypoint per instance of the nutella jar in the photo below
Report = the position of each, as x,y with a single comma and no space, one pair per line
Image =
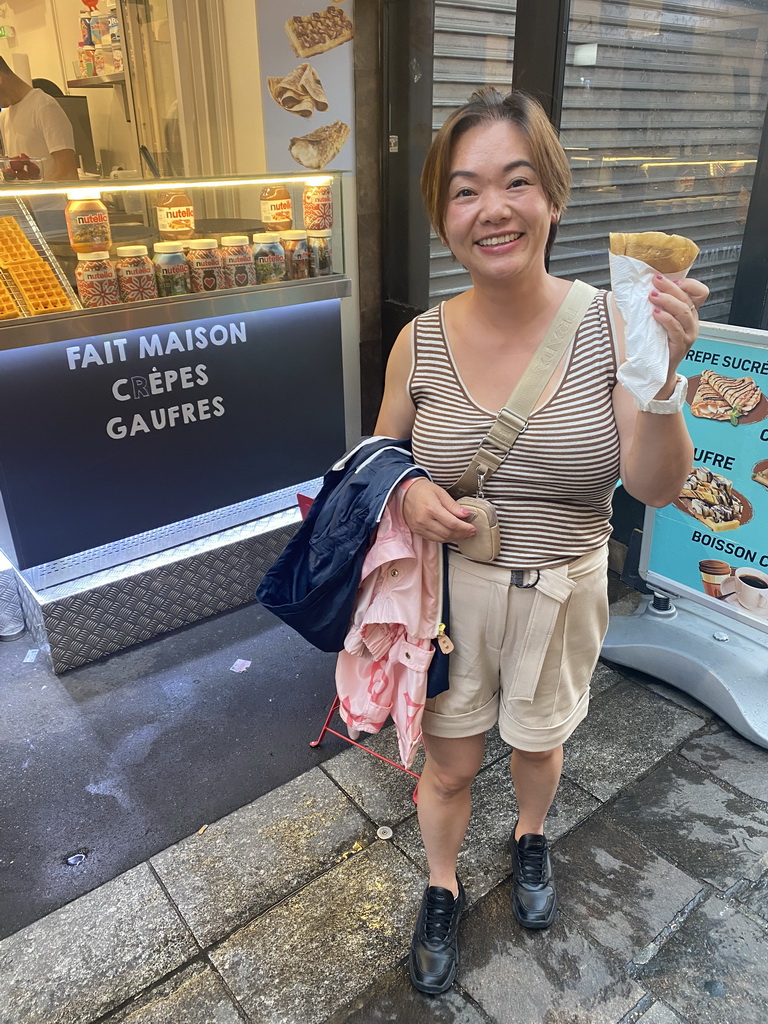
320,258
87,222
171,269
135,274
205,269
276,209
269,258
296,254
318,207
237,261
175,216
96,280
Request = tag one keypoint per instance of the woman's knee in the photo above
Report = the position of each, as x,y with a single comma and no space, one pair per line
537,756
447,782
452,765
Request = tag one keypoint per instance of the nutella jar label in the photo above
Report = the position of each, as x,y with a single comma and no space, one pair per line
136,279
238,266
205,270
97,283
318,207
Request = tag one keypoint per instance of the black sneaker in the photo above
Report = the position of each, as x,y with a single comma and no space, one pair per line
434,947
534,900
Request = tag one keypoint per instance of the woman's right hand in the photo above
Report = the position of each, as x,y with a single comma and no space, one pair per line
432,513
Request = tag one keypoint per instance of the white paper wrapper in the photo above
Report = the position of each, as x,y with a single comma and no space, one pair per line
645,369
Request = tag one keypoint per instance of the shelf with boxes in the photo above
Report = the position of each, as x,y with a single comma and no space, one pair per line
118,242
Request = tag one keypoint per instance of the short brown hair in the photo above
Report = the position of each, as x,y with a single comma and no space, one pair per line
527,115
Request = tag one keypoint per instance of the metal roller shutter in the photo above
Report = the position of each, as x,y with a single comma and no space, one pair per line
663,110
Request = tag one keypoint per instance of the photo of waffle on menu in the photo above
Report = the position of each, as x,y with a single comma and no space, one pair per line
712,500
725,398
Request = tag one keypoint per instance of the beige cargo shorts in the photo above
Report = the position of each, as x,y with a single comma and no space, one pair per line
523,655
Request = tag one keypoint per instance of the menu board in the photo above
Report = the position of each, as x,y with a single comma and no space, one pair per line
711,543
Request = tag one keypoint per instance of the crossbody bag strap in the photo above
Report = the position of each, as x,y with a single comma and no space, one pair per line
513,418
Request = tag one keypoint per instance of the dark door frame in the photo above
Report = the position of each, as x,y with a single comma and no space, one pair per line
541,40
749,305
408,47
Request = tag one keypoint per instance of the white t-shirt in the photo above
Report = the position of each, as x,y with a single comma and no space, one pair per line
37,126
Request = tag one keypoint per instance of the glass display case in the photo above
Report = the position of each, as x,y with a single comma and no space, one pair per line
102,246
150,431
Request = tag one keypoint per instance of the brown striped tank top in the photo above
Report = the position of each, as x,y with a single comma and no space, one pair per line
553,491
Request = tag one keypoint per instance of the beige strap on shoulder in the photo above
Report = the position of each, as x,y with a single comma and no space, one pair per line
513,418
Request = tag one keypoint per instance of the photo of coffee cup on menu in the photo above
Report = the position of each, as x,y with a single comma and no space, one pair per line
713,574
750,588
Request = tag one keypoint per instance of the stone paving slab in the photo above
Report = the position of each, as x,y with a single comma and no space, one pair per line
245,863
616,743
193,996
689,818
671,693
484,860
393,1000
732,759
603,678
555,976
319,949
714,970
384,792
615,889
755,899
660,1014
89,957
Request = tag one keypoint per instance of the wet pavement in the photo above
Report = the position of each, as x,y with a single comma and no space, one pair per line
121,758
290,909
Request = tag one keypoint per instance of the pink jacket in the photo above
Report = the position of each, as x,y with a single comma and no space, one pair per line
382,670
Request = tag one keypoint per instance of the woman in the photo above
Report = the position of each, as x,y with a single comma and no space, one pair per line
495,183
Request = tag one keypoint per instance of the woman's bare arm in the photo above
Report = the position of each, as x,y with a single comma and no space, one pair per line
429,510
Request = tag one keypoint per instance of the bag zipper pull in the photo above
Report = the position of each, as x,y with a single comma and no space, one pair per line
444,642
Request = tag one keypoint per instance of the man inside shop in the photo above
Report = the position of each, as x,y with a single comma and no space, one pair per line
33,125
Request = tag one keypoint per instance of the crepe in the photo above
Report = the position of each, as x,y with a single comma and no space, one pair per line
319,147
761,477
709,404
301,92
741,393
668,254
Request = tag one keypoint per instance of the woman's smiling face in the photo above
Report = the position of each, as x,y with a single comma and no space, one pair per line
497,217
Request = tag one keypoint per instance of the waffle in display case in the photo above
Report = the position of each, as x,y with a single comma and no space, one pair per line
9,308
14,244
31,281
39,289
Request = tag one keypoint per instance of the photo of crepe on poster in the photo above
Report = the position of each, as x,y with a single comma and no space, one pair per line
734,400
711,542
306,69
